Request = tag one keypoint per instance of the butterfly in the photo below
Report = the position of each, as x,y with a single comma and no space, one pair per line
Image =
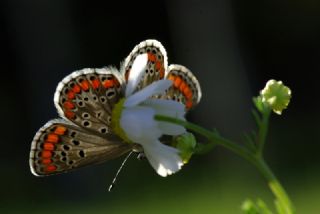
83,134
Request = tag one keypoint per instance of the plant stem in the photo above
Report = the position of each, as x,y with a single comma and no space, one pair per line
255,158
263,130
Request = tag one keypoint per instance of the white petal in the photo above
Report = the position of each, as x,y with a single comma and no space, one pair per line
137,70
139,125
164,159
168,108
157,87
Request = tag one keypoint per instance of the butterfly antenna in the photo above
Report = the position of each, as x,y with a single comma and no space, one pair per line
118,172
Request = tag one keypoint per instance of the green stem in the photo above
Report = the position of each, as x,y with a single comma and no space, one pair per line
255,159
263,130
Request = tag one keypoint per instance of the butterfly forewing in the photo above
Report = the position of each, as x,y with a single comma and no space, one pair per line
60,146
156,64
87,97
185,88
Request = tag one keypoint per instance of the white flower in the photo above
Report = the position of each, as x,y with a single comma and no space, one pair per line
138,123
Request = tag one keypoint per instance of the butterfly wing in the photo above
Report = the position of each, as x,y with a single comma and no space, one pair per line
87,97
60,146
157,63
185,88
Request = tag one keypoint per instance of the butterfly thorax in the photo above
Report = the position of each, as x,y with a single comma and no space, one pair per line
115,121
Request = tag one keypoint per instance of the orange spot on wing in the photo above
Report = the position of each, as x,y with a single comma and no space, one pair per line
46,161
51,168
177,82
158,65
69,114
116,82
46,154
151,57
189,94
186,91
71,95
84,85
53,138
171,77
76,89
95,84
48,146
60,130
182,86
68,105
108,83
189,104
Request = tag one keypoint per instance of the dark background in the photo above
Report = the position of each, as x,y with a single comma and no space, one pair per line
233,47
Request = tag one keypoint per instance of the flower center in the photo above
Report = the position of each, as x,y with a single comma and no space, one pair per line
115,120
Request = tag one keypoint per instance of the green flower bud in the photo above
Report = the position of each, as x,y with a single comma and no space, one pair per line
186,144
276,95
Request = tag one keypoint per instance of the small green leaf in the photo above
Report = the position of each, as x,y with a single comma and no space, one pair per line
249,207
258,103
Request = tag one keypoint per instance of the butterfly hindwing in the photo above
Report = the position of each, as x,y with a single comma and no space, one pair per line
157,63
87,97
59,146
185,88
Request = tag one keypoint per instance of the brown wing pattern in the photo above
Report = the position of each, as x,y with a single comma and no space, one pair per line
60,146
87,97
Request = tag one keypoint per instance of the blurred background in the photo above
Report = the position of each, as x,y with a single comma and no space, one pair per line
233,48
